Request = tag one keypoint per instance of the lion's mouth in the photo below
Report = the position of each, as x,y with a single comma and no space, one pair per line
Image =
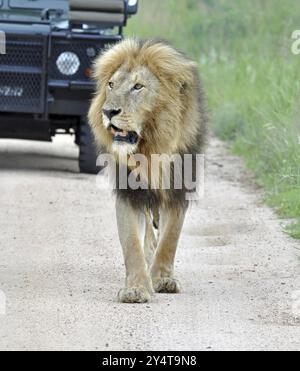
123,136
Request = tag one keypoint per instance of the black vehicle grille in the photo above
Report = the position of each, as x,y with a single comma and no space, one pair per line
20,52
22,75
86,52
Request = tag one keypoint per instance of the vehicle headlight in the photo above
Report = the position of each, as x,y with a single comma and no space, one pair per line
68,63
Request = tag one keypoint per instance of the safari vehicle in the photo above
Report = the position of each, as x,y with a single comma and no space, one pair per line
45,67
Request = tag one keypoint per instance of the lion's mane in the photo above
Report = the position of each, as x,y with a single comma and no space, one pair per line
177,125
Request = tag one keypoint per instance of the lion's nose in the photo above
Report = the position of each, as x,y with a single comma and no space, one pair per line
111,113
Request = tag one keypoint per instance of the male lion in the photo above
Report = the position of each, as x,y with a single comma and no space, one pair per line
148,101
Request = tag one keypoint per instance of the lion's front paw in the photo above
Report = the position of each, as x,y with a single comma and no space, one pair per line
133,295
166,285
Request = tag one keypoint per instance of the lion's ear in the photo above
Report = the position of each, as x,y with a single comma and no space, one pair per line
183,87
186,75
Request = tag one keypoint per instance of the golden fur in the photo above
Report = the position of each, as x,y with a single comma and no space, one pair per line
171,116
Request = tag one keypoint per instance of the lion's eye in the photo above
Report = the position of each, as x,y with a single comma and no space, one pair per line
111,85
138,87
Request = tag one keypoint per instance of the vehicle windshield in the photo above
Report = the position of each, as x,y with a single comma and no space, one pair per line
39,4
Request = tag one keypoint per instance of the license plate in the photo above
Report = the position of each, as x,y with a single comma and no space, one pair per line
11,91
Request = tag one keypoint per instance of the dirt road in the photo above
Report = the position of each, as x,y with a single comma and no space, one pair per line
61,264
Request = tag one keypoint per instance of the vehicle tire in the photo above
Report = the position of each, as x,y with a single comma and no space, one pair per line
87,154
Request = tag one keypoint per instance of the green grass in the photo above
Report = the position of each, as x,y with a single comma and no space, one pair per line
251,77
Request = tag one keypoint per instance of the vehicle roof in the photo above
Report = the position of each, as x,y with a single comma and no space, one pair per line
35,4
34,11
31,10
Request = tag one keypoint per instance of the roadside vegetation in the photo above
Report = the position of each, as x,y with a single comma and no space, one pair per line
252,79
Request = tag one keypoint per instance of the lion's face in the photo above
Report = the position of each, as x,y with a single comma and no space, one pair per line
130,96
147,99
